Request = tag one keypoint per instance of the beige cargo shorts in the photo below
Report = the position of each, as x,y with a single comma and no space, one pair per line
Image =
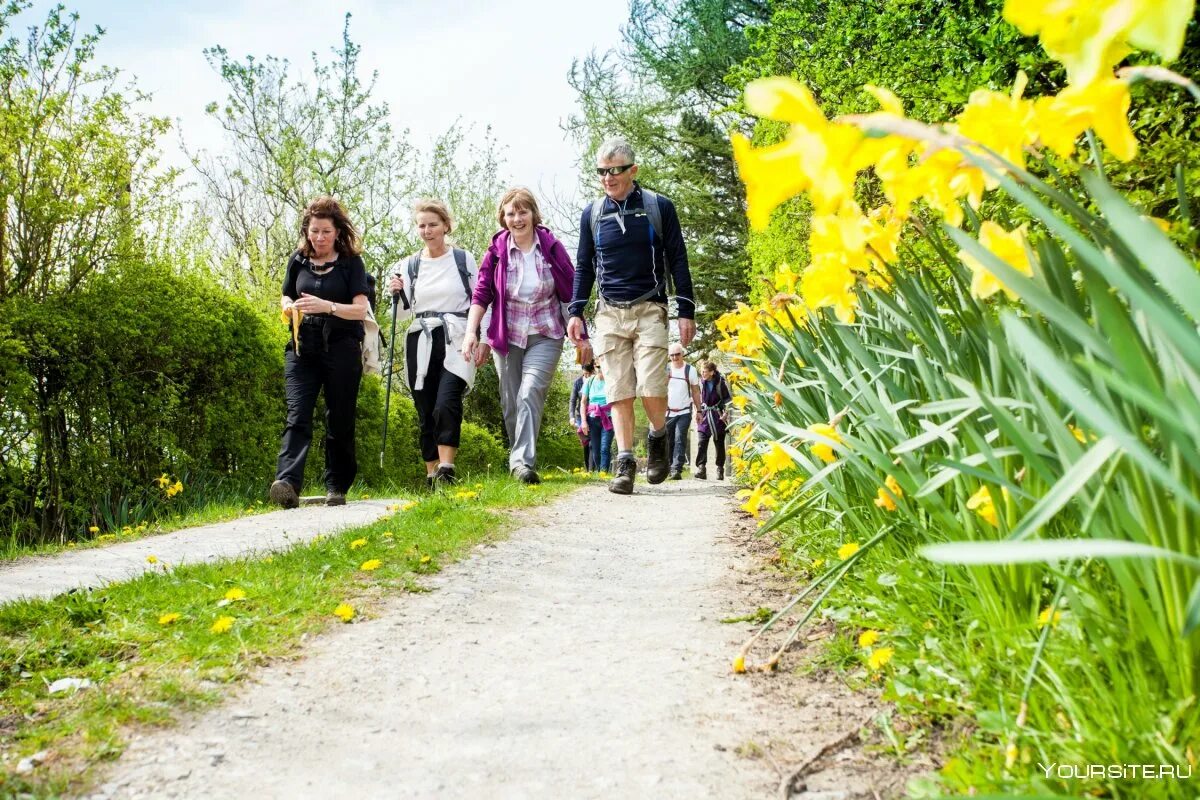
631,346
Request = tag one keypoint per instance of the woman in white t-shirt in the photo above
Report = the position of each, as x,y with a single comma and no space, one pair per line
437,283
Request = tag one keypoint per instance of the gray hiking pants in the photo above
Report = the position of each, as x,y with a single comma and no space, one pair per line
525,375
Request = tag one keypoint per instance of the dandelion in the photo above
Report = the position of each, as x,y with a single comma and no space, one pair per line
222,625
426,559
884,499
739,664
1044,618
151,559
867,638
357,543
167,619
371,564
879,658
344,612
235,594
818,563
387,534
409,506
847,550
93,529
466,495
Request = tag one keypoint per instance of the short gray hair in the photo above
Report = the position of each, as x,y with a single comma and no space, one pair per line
615,146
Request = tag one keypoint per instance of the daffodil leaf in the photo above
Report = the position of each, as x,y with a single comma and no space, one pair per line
1047,550
1064,491
1191,618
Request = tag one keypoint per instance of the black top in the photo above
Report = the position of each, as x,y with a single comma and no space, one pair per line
346,279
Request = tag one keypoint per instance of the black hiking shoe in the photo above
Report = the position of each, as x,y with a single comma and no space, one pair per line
335,498
445,476
622,482
720,473
284,494
526,474
701,474
676,475
656,458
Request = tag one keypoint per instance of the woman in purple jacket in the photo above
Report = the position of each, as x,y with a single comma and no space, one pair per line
527,278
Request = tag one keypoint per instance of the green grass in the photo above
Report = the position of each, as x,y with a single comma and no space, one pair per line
146,673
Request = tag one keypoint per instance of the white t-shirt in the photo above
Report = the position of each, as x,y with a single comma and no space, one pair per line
679,389
530,281
439,286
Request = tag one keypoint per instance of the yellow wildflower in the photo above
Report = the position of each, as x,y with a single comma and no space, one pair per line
357,543
167,619
740,401
235,594
222,625
344,612
93,529
739,664
868,638
818,563
466,495
1044,618
371,564
879,658
756,499
409,506
387,534
884,499
426,559
847,550
1001,122
163,481
981,503
776,459
829,282
822,450
1102,104
1009,247
151,559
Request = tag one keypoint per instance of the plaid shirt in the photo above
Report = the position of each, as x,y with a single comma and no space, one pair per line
542,315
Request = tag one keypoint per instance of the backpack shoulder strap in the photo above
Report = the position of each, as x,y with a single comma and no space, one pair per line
460,261
597,211
653,210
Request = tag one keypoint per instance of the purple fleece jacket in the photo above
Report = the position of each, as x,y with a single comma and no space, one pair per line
492,281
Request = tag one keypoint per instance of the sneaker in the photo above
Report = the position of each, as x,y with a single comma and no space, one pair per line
720,473
676,475
526,474
623,482
656,458
284,494
335,498
445,475
701,474
429,482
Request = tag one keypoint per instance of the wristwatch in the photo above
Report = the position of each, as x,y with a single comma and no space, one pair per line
332,309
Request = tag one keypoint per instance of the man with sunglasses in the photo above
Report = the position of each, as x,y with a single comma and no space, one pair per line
631,245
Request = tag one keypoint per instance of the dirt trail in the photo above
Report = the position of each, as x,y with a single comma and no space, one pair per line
582,657
47,576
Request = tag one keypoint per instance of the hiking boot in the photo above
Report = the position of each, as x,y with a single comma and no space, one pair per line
720,473
701,474
676,475
284,494
656,458
623,482
429,482
335,498
445,475
526,474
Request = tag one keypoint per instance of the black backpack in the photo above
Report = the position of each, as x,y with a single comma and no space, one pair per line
414,268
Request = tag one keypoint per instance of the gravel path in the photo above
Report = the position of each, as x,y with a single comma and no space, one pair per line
47,576
581,657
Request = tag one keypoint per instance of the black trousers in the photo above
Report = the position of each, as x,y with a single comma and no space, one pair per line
702,448
440,403
336,371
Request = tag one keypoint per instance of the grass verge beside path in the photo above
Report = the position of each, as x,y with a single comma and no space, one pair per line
173,641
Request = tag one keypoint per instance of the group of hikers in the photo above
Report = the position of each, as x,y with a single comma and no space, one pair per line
517,306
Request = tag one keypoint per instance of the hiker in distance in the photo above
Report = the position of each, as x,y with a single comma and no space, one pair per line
437,283
714,419
683,401
325,289
526,279
578,418
629,240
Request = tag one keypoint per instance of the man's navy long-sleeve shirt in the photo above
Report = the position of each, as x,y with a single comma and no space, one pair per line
631,263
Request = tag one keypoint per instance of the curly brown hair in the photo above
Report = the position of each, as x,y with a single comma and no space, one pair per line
325,207
521,198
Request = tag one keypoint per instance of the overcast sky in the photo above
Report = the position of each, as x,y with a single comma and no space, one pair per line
484,61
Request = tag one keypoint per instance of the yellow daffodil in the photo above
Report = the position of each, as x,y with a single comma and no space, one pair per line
868,638
756,499
344,612
771,174
981,503
1009,247
357,543
371,564
776,459
167,619
1102,104
829,283
847,550
222,624
879,658
163,481
886,494
822,450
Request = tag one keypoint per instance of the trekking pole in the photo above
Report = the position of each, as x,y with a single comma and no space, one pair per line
387,395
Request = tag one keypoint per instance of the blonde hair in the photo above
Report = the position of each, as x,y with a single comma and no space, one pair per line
432,206
523,198
325,207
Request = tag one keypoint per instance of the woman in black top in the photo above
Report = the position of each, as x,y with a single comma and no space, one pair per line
327,283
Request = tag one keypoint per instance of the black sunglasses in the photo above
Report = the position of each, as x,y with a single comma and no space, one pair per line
602,171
